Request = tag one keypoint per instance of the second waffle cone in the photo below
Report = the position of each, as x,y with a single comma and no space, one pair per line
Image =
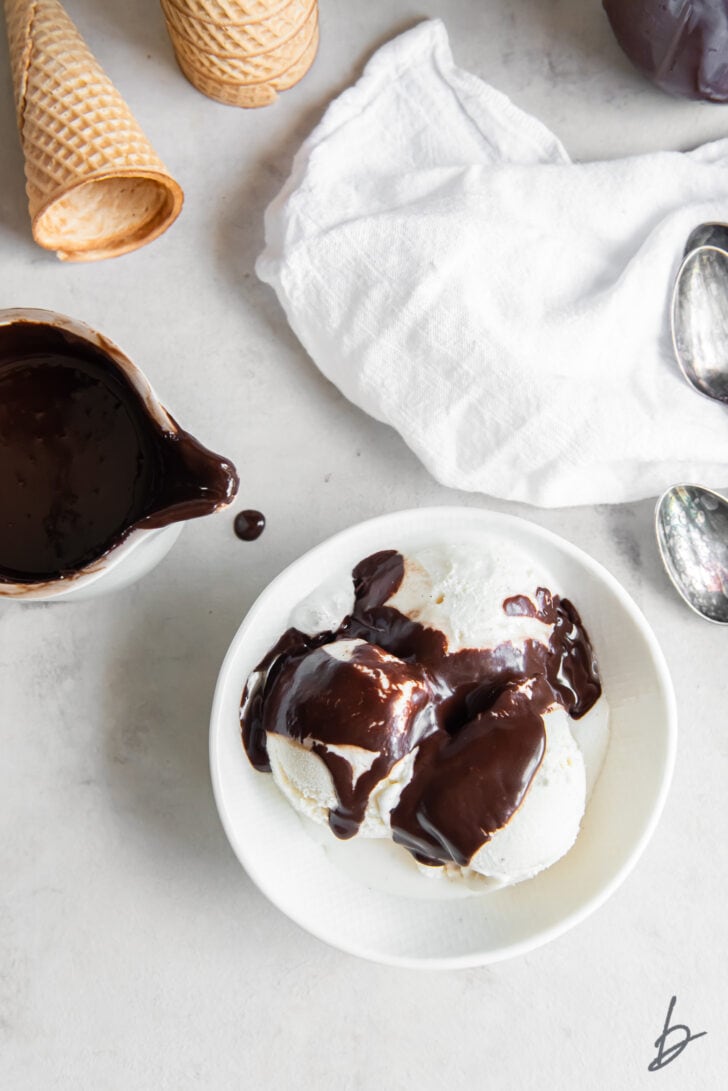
243,63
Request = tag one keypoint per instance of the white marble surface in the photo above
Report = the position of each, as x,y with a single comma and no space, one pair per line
134,951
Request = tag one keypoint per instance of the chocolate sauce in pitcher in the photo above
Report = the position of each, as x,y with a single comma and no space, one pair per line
84,460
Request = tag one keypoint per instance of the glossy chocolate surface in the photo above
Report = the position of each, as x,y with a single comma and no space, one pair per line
474,715
82,459
249,525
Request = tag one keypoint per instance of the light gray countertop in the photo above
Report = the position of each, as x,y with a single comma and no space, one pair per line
134,951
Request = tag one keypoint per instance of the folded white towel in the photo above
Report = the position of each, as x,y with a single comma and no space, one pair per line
506,310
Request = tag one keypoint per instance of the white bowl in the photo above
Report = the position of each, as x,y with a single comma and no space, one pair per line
361,911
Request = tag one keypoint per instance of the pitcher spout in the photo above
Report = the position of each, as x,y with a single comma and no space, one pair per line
194,481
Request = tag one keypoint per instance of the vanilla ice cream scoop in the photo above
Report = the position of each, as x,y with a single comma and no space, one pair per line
341,720
434,707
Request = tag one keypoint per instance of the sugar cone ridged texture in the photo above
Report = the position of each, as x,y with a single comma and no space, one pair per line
246,39
258,68
235,12
243,52
95,186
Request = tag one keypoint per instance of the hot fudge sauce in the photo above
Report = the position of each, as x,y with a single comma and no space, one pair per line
82,459
249,525
475,715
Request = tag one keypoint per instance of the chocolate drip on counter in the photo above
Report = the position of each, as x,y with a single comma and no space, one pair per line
82,460
249,525
475,715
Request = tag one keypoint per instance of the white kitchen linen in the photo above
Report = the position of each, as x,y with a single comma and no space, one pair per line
506,310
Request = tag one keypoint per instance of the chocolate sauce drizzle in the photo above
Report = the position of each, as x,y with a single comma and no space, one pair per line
82,459
475,715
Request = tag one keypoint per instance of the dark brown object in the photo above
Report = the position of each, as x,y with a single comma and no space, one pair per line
681,45
479,729
83,461
249,524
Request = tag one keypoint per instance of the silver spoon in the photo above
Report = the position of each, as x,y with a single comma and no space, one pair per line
707,234
692,535
699,313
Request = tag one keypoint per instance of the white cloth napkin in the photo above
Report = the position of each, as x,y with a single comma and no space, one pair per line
452,271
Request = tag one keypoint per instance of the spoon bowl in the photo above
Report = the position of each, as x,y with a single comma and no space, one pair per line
707,234
699,314
692,536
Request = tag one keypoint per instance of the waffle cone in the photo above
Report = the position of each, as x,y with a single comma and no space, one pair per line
231,12
258,68
251,95
95,186
246,39
301,66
